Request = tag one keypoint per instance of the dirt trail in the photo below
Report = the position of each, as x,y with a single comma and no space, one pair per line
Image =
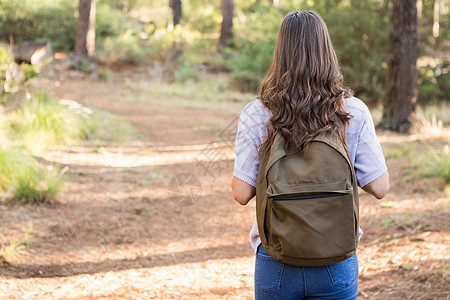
116,233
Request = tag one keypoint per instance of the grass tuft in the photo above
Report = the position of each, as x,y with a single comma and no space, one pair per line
42,122
432,121
436,163
24,180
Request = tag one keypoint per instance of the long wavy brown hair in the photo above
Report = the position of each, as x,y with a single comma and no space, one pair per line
304,87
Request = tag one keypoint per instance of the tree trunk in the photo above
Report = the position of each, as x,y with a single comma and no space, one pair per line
402,74
84,9
226,30
436,18
90,37
177,12
419,12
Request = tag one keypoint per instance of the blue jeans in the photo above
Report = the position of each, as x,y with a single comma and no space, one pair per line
277,280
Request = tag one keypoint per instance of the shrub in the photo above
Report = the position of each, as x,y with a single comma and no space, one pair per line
30,19
108,21
359,35
434,82
25,179
105,74
124,48
55,21
41,122
436,163
163,42
202,18
254,43
15,17
250,66
36,185
185,73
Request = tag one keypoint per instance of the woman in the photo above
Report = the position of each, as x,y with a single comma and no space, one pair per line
302,96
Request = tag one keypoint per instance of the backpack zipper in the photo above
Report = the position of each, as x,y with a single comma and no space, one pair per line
294,197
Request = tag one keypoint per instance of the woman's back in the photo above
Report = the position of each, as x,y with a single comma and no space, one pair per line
302,96
365,150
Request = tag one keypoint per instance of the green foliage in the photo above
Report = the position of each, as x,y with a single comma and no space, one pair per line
124,48
398,152
31,19
25,179
436,163
37,185
15,17
359,35
185,73
250,65
254,43
22,178
55,21
108,21
41,122
5,59
203,17
164,42
131,31
434,82
360,38
105,74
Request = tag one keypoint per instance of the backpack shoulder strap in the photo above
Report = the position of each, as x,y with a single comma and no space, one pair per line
276,152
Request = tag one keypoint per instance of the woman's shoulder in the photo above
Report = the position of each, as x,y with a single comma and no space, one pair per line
255,112
356,106
254,106
360,115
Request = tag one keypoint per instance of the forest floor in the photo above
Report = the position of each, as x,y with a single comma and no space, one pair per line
122,229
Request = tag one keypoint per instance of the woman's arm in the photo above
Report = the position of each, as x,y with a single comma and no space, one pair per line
379,187
242,191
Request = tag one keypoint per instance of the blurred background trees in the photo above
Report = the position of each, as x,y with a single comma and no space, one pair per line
238,36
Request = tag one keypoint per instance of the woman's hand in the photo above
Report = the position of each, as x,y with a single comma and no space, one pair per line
242,191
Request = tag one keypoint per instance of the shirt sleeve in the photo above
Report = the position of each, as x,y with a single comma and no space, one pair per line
248,139
369,158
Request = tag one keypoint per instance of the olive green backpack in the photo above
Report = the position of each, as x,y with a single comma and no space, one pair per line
307,205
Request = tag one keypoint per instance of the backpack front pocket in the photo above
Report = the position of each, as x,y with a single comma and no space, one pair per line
316,224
